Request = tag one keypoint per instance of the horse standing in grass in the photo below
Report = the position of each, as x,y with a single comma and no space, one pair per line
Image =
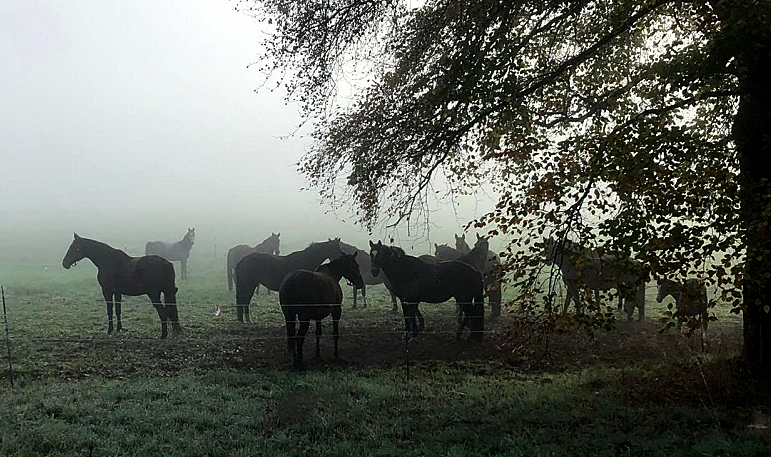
365,268
269,246
174,252
313,295
585,268
120,274
415,281
484,260
270,270
690,301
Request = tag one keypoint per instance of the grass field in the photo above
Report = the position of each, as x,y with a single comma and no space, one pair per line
224,388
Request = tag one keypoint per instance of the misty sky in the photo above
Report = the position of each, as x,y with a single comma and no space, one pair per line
141,116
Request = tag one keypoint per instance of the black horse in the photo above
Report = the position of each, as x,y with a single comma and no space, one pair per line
415,281
269,246
120,274
365,268
313,295
484,260
174,252
270,270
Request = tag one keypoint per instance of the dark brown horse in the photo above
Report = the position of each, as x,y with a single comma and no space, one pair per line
270,270
415,281
174,252
313,295
365,268
120,274
269,246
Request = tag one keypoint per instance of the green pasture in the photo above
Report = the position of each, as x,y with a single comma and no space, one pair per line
224,388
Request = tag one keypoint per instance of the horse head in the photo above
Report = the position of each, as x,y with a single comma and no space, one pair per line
461,244
190,235
75,253
274,242
349,268
379,255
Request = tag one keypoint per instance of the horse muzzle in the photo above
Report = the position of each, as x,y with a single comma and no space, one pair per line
375,271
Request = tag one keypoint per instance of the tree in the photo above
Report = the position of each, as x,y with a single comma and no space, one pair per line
642,127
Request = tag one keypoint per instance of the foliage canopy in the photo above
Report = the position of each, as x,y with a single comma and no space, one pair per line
633,126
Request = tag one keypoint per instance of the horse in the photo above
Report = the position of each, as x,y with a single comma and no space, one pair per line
690,301
269,246
173,252
415,281
313,295
481,258
445,252
269,270
365,268
120,274
460,244
584,267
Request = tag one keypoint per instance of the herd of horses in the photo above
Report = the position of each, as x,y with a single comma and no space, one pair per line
308,280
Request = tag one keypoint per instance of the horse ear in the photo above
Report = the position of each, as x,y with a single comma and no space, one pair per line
354,254
76,236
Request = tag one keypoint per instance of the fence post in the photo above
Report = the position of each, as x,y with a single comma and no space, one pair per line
7,338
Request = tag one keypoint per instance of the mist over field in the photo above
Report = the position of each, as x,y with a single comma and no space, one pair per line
132,121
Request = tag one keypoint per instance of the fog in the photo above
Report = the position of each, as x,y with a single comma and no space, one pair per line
131,121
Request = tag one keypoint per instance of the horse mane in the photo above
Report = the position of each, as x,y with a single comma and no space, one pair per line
397,251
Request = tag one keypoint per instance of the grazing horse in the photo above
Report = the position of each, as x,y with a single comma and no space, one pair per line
313,295
582,267
236,253
415,281
690,301
120,274
173,252
270,270
365,268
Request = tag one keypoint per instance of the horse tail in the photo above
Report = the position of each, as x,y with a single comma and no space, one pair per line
230,275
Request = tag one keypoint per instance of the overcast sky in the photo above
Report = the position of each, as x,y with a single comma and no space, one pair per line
142,115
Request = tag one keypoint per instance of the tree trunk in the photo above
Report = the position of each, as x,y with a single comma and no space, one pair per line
752,135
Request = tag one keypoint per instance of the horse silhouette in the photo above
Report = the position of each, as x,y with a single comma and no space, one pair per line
120,274
174,252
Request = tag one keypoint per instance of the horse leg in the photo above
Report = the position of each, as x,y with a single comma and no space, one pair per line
155,298
108,299
409,320
244,293
421,321
641,302
299,341
355,293
116,300
337,311
494,298
461,320
183,267
291,334
364,296
571,294
170,303
318,339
